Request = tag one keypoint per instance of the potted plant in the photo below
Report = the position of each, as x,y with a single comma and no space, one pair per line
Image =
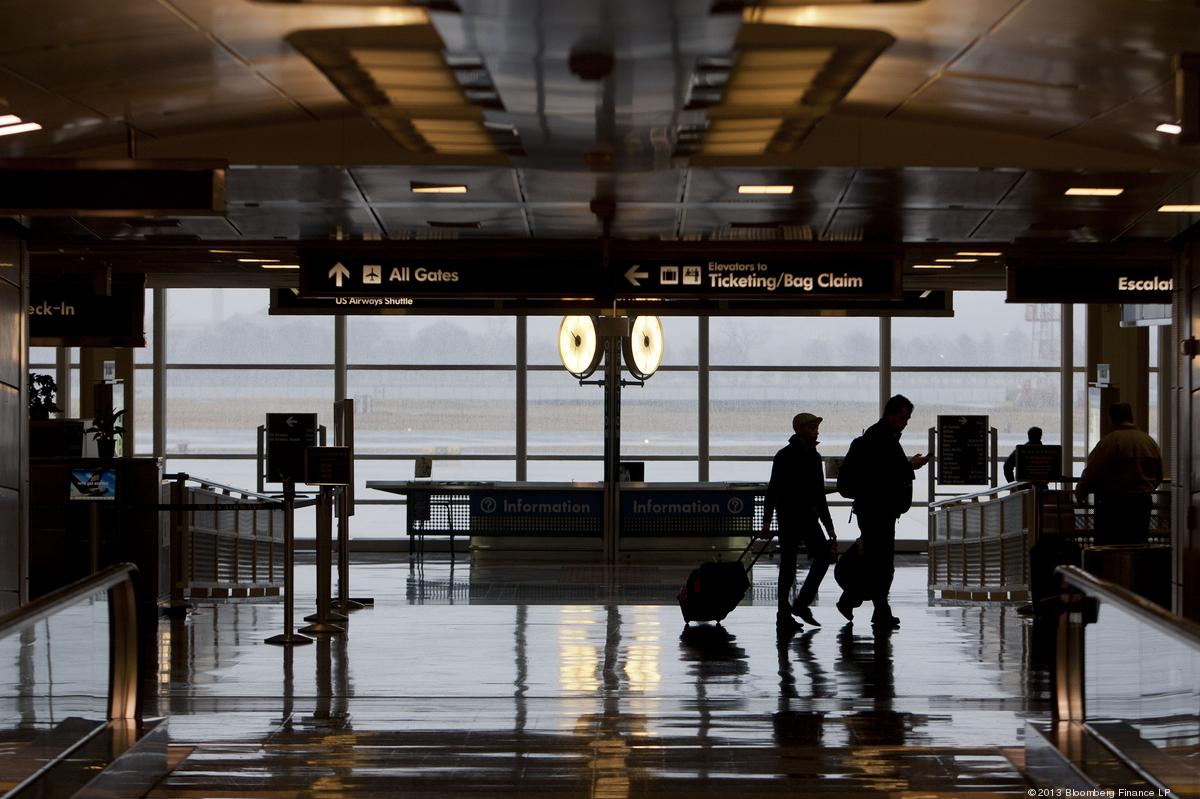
104,431
42,393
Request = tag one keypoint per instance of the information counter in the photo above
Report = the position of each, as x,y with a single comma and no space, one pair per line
566,517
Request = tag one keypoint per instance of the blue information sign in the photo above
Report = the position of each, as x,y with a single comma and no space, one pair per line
686,513
537,513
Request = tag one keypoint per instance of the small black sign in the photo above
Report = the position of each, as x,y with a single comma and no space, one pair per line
1100,280
288,436
74,310
1039,463
328,466
962,456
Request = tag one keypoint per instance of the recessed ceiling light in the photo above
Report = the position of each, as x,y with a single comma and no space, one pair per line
1170,127
1179,209
280,266
925,293
1090,192
933,266
751,189
982,254
957,260
230,252
436,188
258,260
26,127
9,119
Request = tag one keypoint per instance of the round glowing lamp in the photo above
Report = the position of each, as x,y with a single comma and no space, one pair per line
644,347
577,345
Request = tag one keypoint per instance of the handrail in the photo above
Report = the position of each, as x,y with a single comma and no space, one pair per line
245,493
124,699
1184,630
987,492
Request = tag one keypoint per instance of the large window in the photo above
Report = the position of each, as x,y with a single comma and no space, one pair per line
449,387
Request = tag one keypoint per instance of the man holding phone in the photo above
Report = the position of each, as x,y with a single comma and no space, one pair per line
882,492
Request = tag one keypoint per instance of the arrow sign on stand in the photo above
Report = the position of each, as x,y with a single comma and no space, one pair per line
634,273
338,272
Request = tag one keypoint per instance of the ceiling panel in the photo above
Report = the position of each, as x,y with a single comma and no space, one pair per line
393,184
50,24
1047,190
931,188
1058,225
645,222
706,220
910,225
493,221
303,222
550,185
811,186
557,221
309,184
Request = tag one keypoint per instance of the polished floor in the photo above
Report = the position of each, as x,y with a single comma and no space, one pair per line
575,680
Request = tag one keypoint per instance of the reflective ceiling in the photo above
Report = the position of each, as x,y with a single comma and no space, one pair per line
919,122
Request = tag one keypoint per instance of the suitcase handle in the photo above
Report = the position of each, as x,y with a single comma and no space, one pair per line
759,554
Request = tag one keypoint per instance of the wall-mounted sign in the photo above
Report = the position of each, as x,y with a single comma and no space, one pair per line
1101,280
962,455
289,435
86,310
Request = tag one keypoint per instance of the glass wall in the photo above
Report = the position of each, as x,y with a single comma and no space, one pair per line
448,387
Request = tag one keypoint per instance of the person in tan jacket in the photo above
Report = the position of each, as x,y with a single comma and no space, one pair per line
1122,472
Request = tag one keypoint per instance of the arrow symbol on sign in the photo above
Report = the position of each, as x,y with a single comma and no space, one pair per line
338,272
634,273
291,421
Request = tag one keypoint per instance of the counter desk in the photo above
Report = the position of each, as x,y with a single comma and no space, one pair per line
569,517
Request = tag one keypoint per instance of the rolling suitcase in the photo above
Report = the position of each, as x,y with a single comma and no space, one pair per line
714,589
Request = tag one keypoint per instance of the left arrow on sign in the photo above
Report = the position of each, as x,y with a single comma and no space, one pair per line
291,421
338,272
634,273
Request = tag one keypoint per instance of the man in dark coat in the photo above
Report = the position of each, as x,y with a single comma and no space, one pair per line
882,493
1123,472
797,493
1010,463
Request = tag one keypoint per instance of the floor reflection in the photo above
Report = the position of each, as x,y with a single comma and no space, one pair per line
561,694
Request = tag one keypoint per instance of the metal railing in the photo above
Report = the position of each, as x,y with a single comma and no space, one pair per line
1127,675
225,541
979,543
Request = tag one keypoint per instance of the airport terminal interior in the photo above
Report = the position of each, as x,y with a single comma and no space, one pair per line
390,393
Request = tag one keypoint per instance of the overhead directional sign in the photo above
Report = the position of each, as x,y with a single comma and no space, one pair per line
1111,280
289,302
467,269
738,271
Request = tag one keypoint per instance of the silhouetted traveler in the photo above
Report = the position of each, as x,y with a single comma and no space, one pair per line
878,476
1010,463
1122,472
797,494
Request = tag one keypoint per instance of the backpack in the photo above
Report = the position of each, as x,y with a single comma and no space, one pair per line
850,475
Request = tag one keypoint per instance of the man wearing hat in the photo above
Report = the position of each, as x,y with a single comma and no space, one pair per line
797,493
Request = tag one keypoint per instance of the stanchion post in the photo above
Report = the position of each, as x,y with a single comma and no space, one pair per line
180,551
288,637
322,618
343,417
